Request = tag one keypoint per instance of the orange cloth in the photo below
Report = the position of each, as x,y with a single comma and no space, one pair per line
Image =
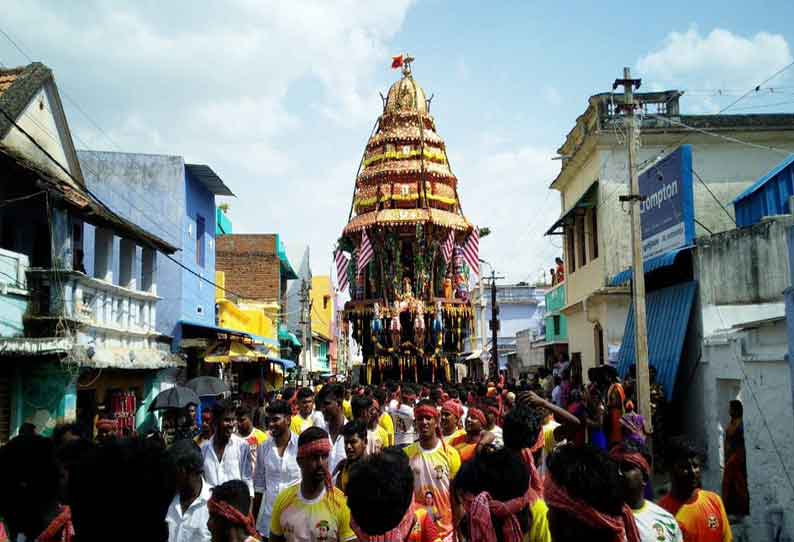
702,518
466,450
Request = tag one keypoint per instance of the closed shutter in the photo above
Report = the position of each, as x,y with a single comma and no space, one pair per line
5,406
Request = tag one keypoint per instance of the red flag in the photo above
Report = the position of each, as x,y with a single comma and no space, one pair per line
397,62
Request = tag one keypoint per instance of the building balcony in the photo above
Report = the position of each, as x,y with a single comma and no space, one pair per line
90,302
555,298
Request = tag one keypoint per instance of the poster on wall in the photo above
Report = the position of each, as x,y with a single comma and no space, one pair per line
667,211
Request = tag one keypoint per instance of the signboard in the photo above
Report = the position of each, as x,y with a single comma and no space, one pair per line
667,211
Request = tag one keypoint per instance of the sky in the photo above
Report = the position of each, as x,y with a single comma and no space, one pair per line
279,97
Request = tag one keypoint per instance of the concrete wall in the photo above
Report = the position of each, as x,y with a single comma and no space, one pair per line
750,365
745,266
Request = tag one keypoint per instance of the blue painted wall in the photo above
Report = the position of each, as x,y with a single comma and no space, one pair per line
198,296
520,307
157,194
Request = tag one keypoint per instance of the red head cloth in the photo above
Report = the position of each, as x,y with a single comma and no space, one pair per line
477,414
321,446
425,411
620,455
60,529
106,425
623,526
481,508
397,534
232,515
629,406
454,408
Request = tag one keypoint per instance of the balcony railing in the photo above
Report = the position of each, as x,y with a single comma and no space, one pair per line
92,302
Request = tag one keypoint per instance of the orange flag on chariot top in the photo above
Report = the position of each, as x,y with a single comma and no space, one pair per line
396,62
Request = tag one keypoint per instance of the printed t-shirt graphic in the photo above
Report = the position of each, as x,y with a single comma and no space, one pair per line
433,471
321,519
656,524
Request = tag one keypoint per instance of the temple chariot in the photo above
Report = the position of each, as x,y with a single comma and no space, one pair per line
407,252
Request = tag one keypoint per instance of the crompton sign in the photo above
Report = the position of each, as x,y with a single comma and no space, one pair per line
667,209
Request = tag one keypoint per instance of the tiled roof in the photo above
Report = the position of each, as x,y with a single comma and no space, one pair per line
7,78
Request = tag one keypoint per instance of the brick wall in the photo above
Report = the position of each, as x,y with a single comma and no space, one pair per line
251,265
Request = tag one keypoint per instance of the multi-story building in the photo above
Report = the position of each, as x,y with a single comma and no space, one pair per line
520,308
594,224
79,288
323,332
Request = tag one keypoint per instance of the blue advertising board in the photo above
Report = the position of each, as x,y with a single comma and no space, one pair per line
667,211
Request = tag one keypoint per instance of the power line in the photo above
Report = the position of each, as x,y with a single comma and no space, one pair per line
715,199
720,136
98,200
755,88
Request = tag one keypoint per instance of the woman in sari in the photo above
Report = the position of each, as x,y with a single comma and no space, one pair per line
734,478
616,399
633,425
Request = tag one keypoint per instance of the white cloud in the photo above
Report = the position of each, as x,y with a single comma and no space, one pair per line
275,96
508,192
718,60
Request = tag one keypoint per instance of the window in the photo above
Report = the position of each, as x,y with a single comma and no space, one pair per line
593,233
556,322
580,241
200,231
571,250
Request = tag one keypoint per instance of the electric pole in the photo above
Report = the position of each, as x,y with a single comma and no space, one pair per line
634,198
494,369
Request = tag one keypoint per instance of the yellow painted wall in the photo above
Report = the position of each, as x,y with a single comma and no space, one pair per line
322,314
256,319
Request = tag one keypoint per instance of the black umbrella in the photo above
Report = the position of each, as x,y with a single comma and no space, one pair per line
207,386
176,397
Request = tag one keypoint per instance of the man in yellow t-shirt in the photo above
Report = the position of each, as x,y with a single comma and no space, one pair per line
307,416
384,418
313,510
366,411
434,465
246,430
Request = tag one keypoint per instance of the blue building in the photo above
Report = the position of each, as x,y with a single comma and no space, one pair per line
175,200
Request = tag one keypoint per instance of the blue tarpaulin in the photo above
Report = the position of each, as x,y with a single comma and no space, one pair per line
667,314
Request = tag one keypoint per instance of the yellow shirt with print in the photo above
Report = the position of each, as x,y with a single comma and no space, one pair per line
456,434
434,471
325,517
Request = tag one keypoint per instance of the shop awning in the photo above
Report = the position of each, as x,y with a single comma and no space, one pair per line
663,260
233,351
285,363
589,199
667,313
288,337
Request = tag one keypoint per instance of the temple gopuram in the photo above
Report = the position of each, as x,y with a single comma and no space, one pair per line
407,252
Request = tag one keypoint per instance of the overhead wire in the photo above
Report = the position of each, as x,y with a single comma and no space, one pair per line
755,88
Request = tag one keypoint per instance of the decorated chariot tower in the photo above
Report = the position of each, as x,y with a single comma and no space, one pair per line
407,252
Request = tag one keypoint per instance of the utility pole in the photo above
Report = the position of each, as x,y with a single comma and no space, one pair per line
634,198
494,369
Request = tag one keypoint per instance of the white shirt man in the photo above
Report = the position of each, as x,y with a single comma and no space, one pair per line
272,474
189,525
403,417
337,449
234,465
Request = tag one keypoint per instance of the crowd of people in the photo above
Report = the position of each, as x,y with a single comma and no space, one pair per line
486,462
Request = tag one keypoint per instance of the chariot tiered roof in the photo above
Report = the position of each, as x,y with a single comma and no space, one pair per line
405,177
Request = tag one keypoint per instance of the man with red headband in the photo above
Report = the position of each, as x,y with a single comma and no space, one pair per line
313,509
654,523
434,465
230,519
585,499
475,436
451,413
